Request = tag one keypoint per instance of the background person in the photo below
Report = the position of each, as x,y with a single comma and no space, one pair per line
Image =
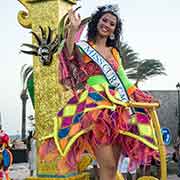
124,167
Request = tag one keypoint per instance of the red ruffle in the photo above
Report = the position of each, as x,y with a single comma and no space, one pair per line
107,124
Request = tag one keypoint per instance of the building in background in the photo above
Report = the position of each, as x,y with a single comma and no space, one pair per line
168,111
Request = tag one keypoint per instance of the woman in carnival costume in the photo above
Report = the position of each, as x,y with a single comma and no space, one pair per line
5,155
95,118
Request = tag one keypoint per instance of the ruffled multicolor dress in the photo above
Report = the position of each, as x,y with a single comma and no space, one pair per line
92,116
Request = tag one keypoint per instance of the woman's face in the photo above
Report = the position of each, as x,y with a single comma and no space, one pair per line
106,25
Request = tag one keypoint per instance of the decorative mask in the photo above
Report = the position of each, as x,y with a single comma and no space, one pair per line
46,46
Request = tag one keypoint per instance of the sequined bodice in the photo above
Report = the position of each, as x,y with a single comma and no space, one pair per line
93,69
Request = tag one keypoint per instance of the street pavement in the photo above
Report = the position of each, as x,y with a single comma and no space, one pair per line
20,171
173,177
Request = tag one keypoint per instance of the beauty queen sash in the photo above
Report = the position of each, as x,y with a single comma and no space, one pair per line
108,71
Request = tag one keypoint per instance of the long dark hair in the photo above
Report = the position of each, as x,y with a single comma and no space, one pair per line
92,27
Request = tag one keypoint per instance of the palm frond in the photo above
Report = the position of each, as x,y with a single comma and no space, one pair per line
137,69
128,56
149,68
25,74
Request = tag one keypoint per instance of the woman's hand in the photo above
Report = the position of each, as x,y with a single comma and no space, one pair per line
72,27
74,20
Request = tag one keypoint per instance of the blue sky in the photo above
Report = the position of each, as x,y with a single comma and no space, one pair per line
151,28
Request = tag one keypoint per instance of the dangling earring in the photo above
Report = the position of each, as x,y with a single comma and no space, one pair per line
112,36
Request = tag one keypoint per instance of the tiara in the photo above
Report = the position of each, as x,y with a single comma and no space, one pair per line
111,8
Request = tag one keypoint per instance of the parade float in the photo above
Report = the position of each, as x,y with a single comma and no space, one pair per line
46,19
